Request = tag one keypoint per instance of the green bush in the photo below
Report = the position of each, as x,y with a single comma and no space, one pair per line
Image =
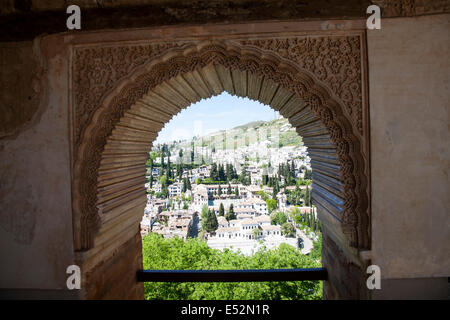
194,254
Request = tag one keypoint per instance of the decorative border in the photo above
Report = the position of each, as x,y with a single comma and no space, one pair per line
120,90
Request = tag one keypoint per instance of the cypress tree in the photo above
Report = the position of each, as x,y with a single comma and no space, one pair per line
211,224
189,187
221,173
307,197
230,215
221,210
213,174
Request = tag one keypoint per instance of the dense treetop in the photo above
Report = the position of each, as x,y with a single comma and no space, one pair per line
194,254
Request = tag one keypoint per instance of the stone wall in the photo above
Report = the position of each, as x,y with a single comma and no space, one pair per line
115,277
36,239
408,82
409,101
346,274
24,20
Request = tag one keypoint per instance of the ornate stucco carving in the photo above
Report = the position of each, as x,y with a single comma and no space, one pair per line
96,70
330,86
336,61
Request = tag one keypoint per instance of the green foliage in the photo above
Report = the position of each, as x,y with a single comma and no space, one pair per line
205,212
278,217
209,181
263,195
295,197
308,175
271,204
316,252
230,214
219,190
221,210
307,196
289,138
256,232
210,224
194,254
164,183
287,229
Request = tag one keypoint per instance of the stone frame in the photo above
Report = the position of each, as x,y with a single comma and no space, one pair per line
108,81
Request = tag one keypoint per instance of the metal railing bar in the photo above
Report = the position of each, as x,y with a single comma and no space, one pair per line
255,275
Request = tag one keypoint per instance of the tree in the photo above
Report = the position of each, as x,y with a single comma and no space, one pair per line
236,191
164,189
308,175
213,172
278,217
229,188
271,204
229,171
263,195
265,179
204,214
307,196
276,189
168,168
256,233
316,252
288,230
230,215
221,210
195,254
210,224
179,170
189,187
308,220
221,173
295,215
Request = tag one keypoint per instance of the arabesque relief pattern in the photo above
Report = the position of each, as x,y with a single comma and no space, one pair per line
133,71
96,70
336,61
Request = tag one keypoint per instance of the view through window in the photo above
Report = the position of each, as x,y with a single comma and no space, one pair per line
229,187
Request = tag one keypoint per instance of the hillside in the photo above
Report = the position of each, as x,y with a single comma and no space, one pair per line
277,132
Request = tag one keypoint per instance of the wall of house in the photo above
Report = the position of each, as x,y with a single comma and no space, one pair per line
409,100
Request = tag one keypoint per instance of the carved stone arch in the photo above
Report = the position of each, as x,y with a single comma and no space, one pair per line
110,158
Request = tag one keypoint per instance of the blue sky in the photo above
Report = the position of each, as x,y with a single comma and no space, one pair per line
217,113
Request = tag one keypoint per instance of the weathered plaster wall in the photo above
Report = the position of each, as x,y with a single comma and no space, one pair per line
409,100
35,201
408,82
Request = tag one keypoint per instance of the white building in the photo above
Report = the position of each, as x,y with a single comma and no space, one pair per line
255,203
270,230
200,197
157,187
175,189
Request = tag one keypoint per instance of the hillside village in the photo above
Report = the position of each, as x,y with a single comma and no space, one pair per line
241,198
